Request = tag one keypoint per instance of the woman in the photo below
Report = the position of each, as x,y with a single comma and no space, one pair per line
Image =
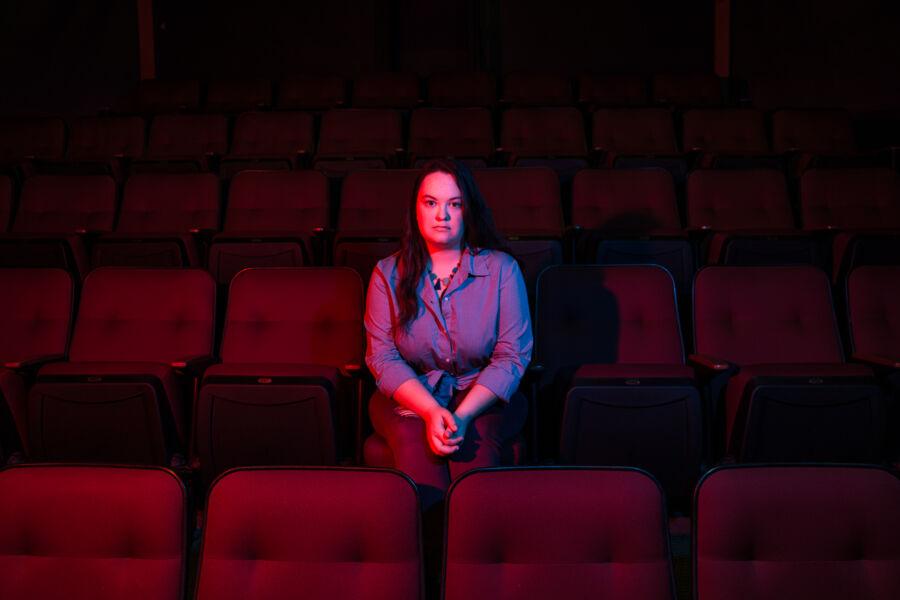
449,336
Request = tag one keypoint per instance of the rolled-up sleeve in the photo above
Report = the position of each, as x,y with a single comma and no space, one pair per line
382,357
512,351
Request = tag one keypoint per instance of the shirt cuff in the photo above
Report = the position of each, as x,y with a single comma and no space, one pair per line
393,377
503,383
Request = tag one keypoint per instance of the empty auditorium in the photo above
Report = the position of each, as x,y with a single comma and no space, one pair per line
460,300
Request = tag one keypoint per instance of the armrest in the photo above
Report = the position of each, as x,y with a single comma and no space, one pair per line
877,360
352,370
33,363
709,363
193,365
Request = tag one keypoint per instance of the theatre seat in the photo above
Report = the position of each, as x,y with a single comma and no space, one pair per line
462,89
781,390
339,534
637,138
595,91
465,134
99,145
728,138
801,531
234,96
184,144
361,138
270,141
35,318
159,96
141,339
107,533
552,137
539,533
292,340
312,92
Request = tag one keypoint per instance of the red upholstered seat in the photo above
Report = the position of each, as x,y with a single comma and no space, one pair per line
326,533
862,205
270,222
630,216
370,220
824,532
687,89
748,212
386,90
728,137
526,207
123,396
106,533
812,135
544,533
633,132
793,397
35,317
354,139
537,89
238,95
269,141
552,137
162,96
160,220
460,89
611,337
612,90
277,395
462,133
54,212
23,139
313,92
101,145
184,143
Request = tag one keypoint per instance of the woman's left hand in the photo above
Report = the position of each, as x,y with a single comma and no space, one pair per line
456,433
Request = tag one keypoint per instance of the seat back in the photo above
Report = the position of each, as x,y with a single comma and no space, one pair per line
749,315
273,134
374,203
178,136
524,201
278,201
302,315
606,314
333,533
457,89
725,131
537,89
169,203
458,132
568,532
42,138
850,199
544,132
828,132
725,200
66,204
612,90
687,89
623,200
360,132
84,531
311,92
92,138
771,532
386,90
160,96
641,131
35,313
153,315
237,96
872,293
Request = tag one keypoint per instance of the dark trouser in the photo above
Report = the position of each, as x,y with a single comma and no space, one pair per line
482,447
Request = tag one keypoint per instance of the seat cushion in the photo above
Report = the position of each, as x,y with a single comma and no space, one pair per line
587,373
282,370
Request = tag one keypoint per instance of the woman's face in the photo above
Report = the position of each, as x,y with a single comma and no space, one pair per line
439,211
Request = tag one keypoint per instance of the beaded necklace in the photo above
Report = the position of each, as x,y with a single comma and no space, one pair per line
440,283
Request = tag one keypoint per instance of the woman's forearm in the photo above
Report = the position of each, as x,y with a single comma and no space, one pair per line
476,402
413,395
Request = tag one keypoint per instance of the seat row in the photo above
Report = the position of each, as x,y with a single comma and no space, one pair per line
849,217
759,531
350,139
405,91
610,383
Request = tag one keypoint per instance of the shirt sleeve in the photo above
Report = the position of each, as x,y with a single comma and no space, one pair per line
512,352
382,357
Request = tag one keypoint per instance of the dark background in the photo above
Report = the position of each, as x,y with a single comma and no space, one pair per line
76,57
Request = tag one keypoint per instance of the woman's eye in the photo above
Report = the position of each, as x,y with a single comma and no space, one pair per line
430,203
456,204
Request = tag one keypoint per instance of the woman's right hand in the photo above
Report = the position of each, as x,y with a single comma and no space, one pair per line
437,422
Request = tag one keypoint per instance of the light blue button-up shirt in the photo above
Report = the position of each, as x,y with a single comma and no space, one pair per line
480,332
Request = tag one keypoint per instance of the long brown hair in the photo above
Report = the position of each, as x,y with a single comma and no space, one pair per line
479,233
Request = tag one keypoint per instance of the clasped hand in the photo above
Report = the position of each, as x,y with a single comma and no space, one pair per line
445,431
